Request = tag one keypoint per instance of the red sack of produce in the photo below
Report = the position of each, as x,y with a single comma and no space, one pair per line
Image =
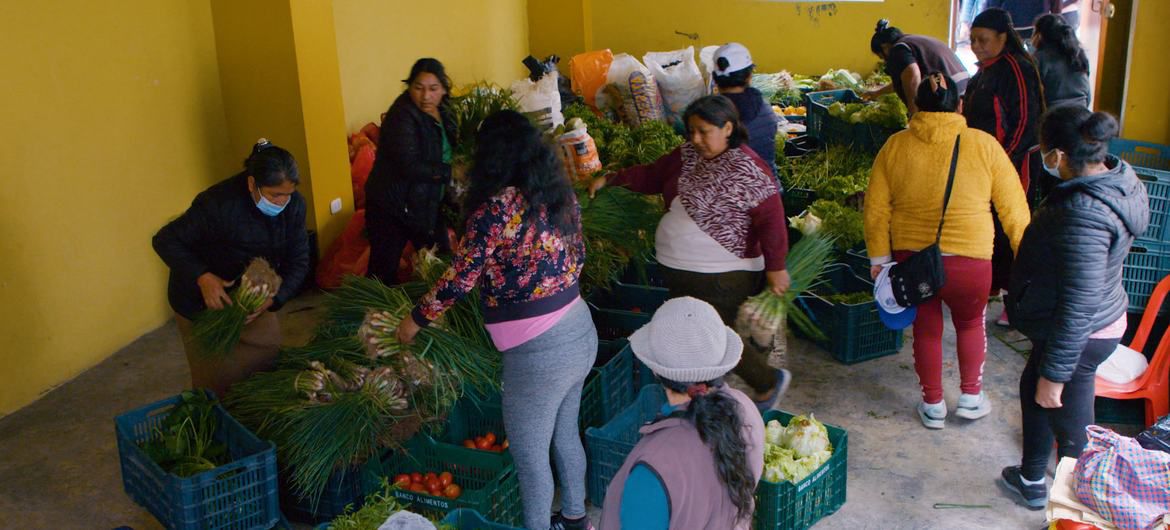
349,254
357,142
359,171
372,131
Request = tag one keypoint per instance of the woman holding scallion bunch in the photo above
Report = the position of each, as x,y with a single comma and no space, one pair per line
723,235
236,256
523,248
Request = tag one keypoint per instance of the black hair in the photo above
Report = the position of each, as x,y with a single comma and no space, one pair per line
270,165
883,33
1057,35
733,79
1081,134
510,151
936,96
428,65
1000,20
718,111
717,418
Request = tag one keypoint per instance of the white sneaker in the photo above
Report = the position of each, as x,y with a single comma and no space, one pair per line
933,415
973,406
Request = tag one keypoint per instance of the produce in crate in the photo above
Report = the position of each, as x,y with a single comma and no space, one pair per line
487,442
837,79
836,173
377,508
762,316
618,226
860,297
887,111
218,331
806,223
184,442
793,452
474,104
436,485
619,146
846,225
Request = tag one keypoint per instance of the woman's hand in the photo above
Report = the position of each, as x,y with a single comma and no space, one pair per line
596,185
212,287
778,281
874,271
1048,393
260,311
407,329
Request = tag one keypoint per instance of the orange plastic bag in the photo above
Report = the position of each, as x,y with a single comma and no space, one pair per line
349,254
587,72
359,172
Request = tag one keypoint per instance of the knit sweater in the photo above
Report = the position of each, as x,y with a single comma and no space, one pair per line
906,188
522,264
732,197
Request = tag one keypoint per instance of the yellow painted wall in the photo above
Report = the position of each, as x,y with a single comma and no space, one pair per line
567,36
378,41
802,37
113,121
1147,100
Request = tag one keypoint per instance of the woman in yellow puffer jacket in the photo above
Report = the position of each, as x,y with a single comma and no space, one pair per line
903,205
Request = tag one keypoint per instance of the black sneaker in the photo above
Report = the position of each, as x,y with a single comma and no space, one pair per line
1035,496
560,522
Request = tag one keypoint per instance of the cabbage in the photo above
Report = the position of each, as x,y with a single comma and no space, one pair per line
772,432
805,436
807,223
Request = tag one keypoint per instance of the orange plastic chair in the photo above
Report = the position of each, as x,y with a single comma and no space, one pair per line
1154,385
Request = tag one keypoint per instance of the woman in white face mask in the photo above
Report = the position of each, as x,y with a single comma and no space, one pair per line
1066,293
255,213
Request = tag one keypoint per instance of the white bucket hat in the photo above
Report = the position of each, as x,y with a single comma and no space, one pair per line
687,342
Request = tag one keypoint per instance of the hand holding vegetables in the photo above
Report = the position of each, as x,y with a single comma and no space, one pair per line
212,287
778,281
218,330
596,186
407,330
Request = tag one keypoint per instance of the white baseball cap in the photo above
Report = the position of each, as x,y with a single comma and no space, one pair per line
687,342
737,58
892,315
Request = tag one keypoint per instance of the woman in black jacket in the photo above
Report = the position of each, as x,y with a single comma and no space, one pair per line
1005,100
1063,65
1066,291
256,213
412,171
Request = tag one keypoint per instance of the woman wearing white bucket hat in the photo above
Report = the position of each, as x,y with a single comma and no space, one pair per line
706,428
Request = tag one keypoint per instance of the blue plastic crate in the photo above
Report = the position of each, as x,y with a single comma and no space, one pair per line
854,332
465,519
345,488
823,127
1147,263
607,447
1145,155
238,495
630,297
1151,162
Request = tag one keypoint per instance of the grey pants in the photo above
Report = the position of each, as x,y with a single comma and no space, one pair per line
542,396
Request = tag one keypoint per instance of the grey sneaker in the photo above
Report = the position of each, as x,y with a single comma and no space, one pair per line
934,416
1034,496
560,522
783,379
973,406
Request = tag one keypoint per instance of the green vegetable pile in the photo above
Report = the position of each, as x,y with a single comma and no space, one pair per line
184,444
378,506
841,222
618,226
836,173
620,146
793,452
860,297
888,111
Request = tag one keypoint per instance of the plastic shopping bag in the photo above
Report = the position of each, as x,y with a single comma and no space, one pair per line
587,72
679,79
636,96
540,100
1123,482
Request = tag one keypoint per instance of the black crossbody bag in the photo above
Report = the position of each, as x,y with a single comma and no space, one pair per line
919,277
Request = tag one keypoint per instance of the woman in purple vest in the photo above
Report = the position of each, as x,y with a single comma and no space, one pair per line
698,464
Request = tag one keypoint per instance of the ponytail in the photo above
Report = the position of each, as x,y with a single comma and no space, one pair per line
937,93
1081,134
883,33
1056,34
271,165
717,418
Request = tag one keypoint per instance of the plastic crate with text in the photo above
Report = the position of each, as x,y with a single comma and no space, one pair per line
1151,162
1147,263
488,479
608,446
854,332
784,505
240,495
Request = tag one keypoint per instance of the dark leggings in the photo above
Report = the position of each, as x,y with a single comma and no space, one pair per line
387,240
726,291
1066,425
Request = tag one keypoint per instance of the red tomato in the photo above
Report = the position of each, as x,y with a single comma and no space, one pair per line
490,437
402,481
418,488
429,476
433,484
470,444
482,444
446,478
452,491
416,477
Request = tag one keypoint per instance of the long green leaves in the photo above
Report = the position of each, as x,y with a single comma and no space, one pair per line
760,316
218,331
618,226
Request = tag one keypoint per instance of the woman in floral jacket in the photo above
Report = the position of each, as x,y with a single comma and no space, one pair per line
523,249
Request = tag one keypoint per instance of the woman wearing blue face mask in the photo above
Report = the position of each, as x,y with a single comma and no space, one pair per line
1066,292
255,213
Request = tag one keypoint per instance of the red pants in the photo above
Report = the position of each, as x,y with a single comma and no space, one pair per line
965,293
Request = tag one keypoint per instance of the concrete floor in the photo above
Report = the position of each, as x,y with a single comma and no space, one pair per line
60,463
